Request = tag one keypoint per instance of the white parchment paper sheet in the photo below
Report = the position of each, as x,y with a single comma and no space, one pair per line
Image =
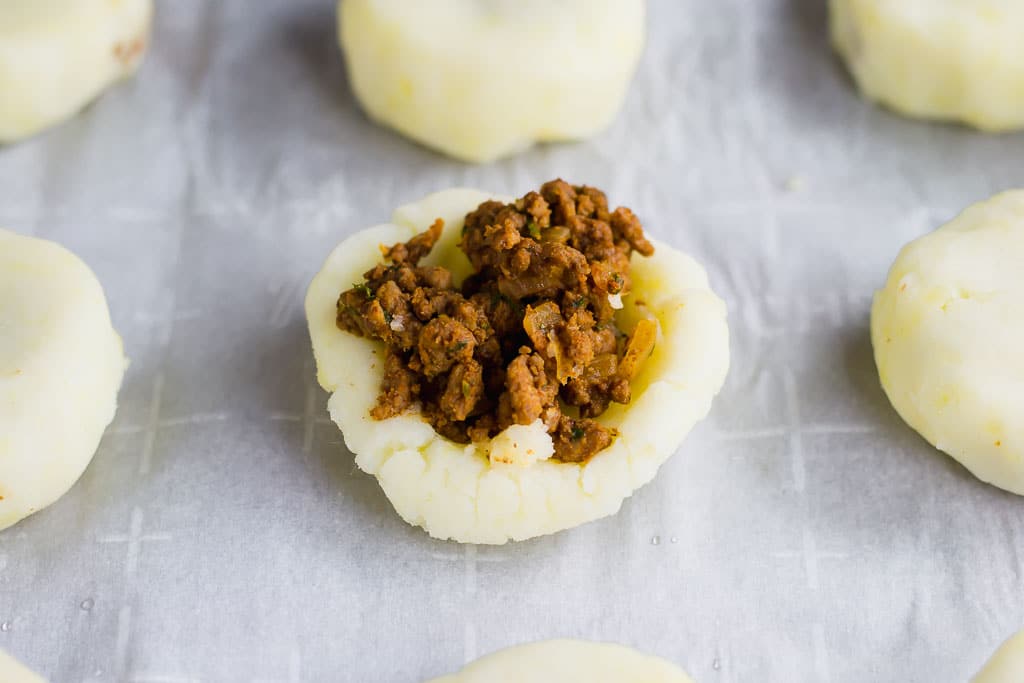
803,533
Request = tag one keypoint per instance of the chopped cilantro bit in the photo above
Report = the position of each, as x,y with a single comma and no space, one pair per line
363,288
580,303
533,229
577,433
388,317
465,389
458,346
617,279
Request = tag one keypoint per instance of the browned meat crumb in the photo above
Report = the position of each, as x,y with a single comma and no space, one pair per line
530,335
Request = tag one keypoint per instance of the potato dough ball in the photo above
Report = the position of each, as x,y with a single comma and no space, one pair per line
960,60
58,55
481,79
463,492
948,330
1007,663
556,661
61,365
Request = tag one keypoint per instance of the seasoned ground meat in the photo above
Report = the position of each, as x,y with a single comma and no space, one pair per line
530,335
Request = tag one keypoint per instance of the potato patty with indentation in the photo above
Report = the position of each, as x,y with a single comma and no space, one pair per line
507,487
61,364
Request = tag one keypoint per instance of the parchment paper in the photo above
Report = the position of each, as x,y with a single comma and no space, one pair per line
222,533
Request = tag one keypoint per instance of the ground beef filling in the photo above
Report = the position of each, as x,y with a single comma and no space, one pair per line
530,335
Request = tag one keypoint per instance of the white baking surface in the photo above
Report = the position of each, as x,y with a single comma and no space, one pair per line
222,532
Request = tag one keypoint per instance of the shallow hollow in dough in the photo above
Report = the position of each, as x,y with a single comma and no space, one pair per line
1006,664
452,490
482,79
558,661
948,330
61,364
958,60
58,55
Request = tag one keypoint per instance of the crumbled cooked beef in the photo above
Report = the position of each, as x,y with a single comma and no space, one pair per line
579,440
530,335
398,389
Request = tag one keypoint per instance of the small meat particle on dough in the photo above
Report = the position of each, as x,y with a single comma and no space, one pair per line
56,56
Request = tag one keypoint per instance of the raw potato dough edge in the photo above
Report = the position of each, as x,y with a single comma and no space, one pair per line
1006,664
13,671
56,56
947,331
61,364
558,661
481,80
955,60
452,490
